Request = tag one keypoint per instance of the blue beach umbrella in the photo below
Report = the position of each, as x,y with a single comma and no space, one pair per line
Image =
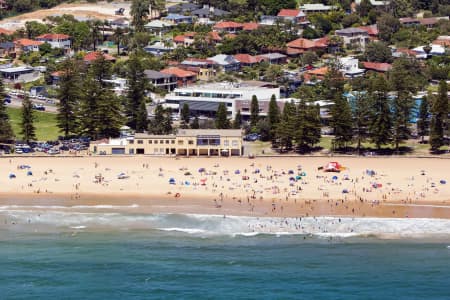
172,181
11,176
237,172
442,181
29,173
344,191
334,177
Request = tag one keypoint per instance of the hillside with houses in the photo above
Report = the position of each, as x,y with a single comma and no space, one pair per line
295,76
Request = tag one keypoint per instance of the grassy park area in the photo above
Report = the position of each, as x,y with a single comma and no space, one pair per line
45,123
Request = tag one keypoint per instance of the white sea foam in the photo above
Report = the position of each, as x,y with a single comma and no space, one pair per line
206,225
27,207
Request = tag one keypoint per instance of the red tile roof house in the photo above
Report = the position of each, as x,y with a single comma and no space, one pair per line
186,39
293,15
377,67
248,60
184,77
250,26
301,45
56,40
228,27
91,56
372,30
27,45
6,31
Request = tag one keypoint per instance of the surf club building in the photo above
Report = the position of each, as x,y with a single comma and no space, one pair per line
187,142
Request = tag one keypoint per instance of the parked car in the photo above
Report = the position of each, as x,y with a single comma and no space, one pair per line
53,151
39,107
7,99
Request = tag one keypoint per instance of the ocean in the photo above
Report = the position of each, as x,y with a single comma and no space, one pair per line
81,254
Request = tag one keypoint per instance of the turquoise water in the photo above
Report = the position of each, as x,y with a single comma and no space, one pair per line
155,264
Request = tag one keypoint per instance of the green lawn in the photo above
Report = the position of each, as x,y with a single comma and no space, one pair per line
45,124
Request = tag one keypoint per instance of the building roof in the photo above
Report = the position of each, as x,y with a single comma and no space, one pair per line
247,59
210,11
177,17
274,55
316,7
306,44
16,69
183,7
197,62
228,24
289,13
7,45
408,20
371,29
380,67
249,26
157,24
178,72
6,31
223,59
28,42
443,40
91,56
221,132
320,71
53,36
350,30
120,21
152,74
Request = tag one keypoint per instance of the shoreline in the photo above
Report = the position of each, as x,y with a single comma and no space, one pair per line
260,187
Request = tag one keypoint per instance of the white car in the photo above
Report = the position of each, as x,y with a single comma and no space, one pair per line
53,151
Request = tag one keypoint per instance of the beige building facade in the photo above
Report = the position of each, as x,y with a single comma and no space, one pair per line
187,142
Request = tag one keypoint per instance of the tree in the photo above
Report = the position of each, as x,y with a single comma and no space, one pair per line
139,13
27,123
285,130
118,36
309,57
378,52
423,123
273,116
380,120
6,132
162,122
388,25
439,119
222,121
101,111
69,96
361,117
195,123
237,123
185,115
405,78
307,125
136,97
34,29
254,111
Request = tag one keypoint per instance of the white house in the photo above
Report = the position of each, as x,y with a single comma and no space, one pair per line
56,40
354,38
349,67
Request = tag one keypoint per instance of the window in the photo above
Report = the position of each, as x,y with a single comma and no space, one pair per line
140,141
167,141
131,142
180,142
226,143
191,142
156,141
234,143
173,142
150,141
161,141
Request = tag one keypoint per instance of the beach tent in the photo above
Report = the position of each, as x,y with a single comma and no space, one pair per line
24,167
122,176
442,181
298,177
303,174
201,170
29,173
291,172
370,172
11,176
334,177
187,173
172,181
187,183
333,166
257,171
344,191
237,172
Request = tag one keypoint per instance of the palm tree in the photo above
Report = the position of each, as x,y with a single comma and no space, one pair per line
118,35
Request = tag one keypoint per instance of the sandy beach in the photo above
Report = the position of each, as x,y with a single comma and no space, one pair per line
273,187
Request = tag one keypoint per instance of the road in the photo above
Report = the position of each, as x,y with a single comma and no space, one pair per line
17,102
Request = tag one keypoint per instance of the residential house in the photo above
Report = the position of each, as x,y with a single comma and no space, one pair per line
301,45
268,20
182,8
293,15
376,3
228,27
247,60
312,76
158,48
427,22
161,80
56,77
178,19
227,62
443,40
349,67
183,77
6,31
377,67
274,58
7,49
372,31
158,27
122,23
186,39
209,12
316,8
27,45
56,40
435,50
206,69
91,56
354,38
409,21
